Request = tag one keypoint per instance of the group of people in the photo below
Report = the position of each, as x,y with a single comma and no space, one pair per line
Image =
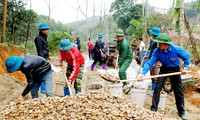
162,52
38,68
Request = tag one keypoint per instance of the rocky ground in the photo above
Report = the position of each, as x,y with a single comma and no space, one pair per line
11,87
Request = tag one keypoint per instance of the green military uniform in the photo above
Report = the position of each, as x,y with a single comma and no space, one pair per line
125,57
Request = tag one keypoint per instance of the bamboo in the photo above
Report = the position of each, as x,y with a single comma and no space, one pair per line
155,76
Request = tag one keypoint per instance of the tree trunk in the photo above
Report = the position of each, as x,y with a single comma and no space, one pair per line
182,24
191,37
4,22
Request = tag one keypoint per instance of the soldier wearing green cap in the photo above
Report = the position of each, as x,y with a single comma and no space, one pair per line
168,54
125,55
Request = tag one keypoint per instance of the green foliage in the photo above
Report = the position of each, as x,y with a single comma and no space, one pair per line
20,23
177,15
192,9
30,47
125,11
136,28
54,40
160,20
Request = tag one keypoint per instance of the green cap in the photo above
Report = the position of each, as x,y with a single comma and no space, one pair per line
119,33
163,38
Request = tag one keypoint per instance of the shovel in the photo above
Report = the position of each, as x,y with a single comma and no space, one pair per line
146,78
69,87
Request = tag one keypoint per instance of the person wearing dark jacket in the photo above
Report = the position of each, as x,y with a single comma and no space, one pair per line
155,31
36,70
98,52
41,41
42,46
78,42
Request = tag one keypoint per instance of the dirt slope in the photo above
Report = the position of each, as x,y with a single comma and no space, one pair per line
5,52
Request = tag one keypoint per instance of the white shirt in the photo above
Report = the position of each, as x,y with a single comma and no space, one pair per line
142,46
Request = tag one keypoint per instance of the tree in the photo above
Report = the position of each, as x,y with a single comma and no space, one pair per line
4,21
181,17
124,11
16,23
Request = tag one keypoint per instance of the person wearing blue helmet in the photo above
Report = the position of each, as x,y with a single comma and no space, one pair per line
98,52
36,70
42,47
155,32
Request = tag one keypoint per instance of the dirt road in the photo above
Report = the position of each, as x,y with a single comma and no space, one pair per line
12,88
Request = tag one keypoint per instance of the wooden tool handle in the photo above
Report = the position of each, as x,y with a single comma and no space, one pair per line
116,64
70,90
155,76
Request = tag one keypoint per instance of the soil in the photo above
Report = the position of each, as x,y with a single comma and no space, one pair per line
12,85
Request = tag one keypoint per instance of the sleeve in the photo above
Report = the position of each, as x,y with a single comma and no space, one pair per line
124,50
38,43
29,86
98,44
150,63
153,47
184,55
75,68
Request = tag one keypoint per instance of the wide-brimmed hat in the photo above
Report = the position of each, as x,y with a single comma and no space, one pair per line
163,38
43,26
120,33
100,35
155,31
65,44
13,63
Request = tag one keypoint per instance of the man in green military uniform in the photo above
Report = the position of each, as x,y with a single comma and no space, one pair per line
125,55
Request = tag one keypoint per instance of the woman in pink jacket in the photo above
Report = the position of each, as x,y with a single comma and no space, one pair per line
75,61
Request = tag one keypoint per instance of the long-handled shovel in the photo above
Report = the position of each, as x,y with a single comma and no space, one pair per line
155,76
69,87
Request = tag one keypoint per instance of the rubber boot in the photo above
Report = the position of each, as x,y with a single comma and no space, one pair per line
103,66
66,91
92,67
42,88
77,91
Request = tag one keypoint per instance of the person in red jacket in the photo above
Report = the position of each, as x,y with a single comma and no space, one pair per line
90,47
75,61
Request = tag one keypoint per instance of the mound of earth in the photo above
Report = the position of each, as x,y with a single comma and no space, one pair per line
10,89
5,52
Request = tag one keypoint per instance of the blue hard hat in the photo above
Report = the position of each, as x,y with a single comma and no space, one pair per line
43,26
155,31
13,63
100,35
65,44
